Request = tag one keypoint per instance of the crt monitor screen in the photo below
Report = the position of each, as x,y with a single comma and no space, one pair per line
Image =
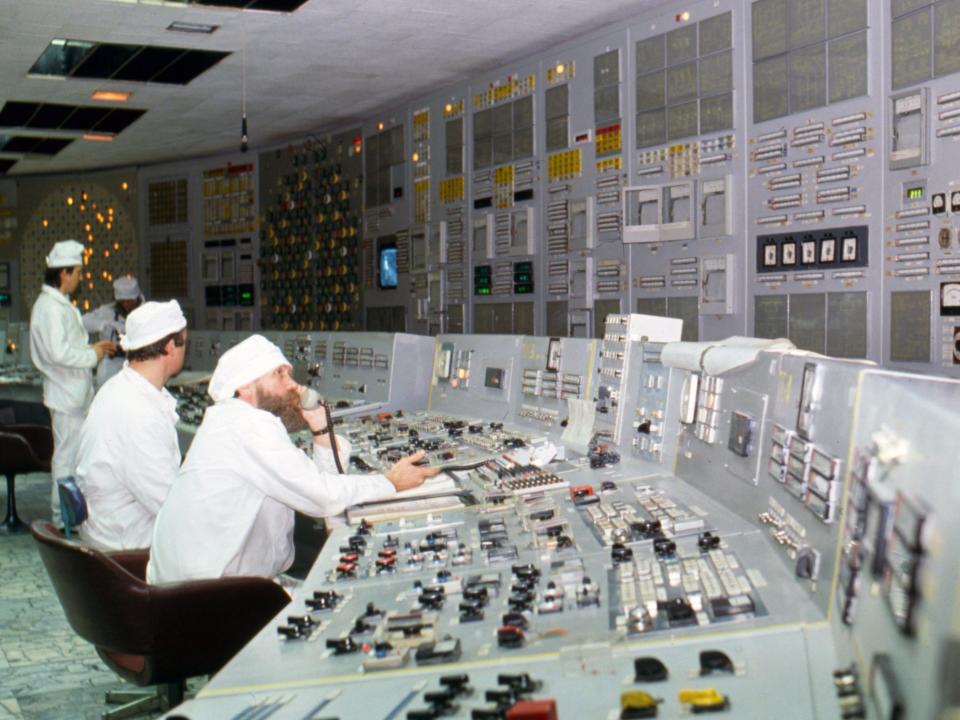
388,267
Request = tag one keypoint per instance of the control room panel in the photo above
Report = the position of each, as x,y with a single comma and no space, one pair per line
730,526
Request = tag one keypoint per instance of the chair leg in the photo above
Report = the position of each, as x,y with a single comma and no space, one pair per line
145,704
12,525
139,702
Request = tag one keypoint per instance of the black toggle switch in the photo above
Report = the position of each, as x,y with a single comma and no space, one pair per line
441,699
663,548
503,697
521,683
649,669
360,626
301,621
516,619
342,646
509,636
291,632
488,714
372,610
715,661
423,713
621,553
708,541
458,684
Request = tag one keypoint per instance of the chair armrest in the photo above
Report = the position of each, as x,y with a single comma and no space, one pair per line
133,561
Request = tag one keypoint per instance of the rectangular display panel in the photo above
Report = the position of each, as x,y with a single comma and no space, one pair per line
716,33
910,40
910,326
847,324
847,60
846,16
387,277
769,18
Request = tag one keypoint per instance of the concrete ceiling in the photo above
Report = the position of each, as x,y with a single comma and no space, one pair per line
329,63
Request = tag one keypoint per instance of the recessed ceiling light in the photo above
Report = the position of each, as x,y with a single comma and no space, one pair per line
189,27
110,95
98,137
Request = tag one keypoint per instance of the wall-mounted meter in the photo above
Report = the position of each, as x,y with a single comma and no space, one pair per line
908,130
716,207
717,285
641,214
483,246
678,209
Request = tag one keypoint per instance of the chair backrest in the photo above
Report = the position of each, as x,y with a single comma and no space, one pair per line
25,448
154,633
104,603
73,505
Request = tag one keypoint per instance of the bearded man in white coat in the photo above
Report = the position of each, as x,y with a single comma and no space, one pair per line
60,350
231,509
129,452
109,322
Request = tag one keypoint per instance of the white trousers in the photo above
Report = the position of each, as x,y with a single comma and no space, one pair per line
66,446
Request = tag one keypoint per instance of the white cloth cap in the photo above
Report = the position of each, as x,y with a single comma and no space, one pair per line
126,288
244,363
150,322
65,254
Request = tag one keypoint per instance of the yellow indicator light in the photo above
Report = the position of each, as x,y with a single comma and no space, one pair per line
380,126
46,223
124,185
561,69
116,246
448,107
683,17
415,157
87,227
69,200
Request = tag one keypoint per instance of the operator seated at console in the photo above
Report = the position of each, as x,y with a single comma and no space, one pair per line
231,508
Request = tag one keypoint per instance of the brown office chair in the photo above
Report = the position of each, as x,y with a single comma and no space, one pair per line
23,449
153,634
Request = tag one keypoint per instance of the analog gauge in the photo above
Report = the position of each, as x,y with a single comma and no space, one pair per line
950,298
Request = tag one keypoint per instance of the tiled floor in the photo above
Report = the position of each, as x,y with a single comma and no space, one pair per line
46,671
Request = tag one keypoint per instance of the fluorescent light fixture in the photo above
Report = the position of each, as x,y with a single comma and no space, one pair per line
98,136
189,27
110,95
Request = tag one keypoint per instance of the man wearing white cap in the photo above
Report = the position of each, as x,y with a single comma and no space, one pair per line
109,322
231,508
129,453
60,350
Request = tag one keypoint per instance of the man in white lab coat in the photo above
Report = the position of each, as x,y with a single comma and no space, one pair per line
60,350
129,452
231,508
109,321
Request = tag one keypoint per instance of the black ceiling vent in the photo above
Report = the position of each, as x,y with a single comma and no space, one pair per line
130,63
82,118
33,145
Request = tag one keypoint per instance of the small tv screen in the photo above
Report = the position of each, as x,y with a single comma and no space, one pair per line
388,267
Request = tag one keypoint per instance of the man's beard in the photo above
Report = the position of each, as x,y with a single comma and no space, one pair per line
286,407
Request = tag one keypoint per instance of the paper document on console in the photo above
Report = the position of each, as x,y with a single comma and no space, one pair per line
579,428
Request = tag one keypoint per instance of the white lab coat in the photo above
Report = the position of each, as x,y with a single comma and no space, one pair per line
129,456
59,347
109,325
60,351
231,508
